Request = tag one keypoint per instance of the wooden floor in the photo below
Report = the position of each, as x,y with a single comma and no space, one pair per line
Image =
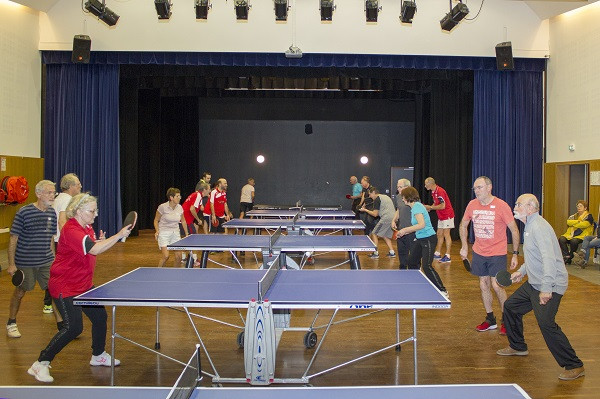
450,350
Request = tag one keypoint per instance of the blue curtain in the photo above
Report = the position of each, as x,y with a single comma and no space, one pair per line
307,60
81,133
508,132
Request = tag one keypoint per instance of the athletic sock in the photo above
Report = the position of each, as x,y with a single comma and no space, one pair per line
11,321
436,253
490,317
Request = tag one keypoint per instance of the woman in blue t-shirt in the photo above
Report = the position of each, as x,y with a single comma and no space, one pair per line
423,246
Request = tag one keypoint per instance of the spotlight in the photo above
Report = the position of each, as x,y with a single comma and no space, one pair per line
407,11
260,159
202,7
281,10
163,8
372,10
103,13
455,15
326,9
364,160
241,9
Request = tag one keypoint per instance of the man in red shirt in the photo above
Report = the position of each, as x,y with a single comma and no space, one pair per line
193,207
218,207
443,208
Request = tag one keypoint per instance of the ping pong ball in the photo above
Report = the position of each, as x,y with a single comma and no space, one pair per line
364,160
260,159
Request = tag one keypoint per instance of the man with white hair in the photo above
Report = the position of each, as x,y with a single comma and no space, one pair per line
70,186
542,292
30,250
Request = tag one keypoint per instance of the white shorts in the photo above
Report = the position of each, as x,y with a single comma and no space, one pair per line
168,237
446,224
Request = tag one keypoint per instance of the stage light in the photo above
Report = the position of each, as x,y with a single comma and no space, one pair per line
103,13
407,11
260,159
202,7
326,9
455,15
372,10
281,10
241,9
364,160
163,8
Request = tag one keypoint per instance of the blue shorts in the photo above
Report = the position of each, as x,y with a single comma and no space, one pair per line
487,265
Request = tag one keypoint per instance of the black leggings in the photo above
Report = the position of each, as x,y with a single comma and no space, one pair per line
73,326
422,249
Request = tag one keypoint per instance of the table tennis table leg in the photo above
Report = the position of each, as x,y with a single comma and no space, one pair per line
354,261
398,347
204,259
189,262
414,314
112,346
157,343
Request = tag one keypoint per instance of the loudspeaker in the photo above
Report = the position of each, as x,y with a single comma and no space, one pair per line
308,128
504,58
81,49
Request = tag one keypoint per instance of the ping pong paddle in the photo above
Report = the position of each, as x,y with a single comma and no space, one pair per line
215,222
348,196
18,278
503,278
131,219
467,264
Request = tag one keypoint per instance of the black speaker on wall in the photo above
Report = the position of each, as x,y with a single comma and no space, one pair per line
81,49
504,57
308,128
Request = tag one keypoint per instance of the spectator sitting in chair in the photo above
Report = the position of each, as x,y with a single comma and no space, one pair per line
579,225
582,257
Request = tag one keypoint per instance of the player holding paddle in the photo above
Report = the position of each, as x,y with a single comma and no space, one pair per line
71,274
542,292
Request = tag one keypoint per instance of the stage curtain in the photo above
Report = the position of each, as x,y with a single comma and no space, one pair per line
81,133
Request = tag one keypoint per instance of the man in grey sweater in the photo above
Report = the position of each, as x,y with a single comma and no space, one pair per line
546,285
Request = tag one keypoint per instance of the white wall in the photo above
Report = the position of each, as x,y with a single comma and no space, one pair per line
20,81
139,29
574,86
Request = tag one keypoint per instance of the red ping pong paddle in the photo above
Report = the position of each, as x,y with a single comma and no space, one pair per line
18,277
503,278
131,219
348,196
215,222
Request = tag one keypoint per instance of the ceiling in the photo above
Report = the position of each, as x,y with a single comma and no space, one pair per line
543,8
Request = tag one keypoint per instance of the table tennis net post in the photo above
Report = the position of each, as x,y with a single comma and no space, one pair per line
189,378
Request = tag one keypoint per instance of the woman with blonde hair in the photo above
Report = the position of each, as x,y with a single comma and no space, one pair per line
579,225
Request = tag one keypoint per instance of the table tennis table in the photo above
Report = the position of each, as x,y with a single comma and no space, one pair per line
475,391
311,214
274,247
299,225
297,206
262,291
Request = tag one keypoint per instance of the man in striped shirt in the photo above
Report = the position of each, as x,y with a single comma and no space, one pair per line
31,249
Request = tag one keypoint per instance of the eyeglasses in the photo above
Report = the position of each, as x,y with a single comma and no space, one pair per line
94,211
479,187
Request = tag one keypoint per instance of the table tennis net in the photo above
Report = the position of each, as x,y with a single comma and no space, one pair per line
189,378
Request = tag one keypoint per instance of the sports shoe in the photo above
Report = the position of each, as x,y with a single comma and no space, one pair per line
374,255
445,259
486,325
103,360
47,309
12,330
572,374
437,257
502,329
391,254
579,261
508,351
41,372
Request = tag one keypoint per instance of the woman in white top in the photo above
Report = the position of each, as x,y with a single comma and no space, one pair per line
166,223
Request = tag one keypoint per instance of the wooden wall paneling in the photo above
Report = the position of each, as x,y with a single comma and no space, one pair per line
33,170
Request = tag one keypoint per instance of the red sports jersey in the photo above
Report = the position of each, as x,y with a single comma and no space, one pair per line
195,200
218,199
72,272
439,196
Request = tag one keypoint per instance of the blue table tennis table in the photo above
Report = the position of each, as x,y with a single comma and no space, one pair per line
475,391
299,225
262,291
274,247
310,214
298,206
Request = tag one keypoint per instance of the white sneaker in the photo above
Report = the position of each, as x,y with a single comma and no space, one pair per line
103,360
12,330
41,371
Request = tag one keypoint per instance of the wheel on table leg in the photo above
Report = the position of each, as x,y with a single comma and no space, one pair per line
240,340
310,339
157,345
398,348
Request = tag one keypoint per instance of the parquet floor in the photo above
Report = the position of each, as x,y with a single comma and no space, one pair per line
450,350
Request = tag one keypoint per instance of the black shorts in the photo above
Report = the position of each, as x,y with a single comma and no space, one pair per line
246,206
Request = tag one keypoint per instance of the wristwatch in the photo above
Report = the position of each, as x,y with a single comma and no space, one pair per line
515,252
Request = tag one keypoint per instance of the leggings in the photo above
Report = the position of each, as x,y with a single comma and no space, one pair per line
422,249
73,326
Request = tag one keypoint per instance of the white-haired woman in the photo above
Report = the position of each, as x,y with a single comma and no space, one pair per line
71,274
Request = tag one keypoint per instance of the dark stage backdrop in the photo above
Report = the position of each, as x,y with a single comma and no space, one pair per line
314,168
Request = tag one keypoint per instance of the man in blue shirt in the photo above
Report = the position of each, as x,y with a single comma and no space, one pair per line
356,194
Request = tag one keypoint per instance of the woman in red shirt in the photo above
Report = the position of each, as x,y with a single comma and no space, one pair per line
71,274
